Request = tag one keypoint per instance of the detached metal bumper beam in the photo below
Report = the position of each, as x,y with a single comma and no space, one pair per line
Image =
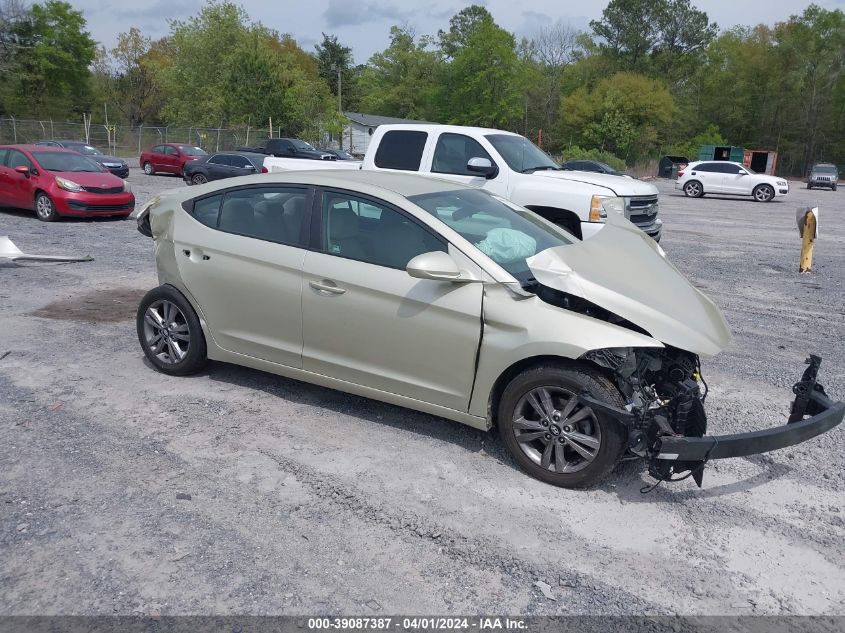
691,449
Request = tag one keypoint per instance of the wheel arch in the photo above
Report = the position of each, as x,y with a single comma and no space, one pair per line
521,366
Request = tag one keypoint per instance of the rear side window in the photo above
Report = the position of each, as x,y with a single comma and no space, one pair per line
3,154
710,167
275,214
219,159
401,149
207,210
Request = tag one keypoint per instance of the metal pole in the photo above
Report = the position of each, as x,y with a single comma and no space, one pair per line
14,130
140,131
217,147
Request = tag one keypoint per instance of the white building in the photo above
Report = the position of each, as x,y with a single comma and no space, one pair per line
359,129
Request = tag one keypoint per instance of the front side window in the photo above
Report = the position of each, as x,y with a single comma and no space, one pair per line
238,161
358,228
453,152
506,233
18,159
521,154
729,168
401,149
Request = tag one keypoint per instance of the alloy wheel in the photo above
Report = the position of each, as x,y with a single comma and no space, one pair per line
166,332
44,207
199,179
693,189
555,431
763,194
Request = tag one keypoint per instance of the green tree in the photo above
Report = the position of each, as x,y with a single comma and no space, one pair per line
401,80
484,83
334,58
623,114
48,72
462,27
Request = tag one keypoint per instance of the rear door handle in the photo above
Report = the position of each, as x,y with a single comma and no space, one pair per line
326,286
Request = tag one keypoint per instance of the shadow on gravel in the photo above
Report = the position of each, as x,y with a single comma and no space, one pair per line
628,480
25,213
437,428
109,305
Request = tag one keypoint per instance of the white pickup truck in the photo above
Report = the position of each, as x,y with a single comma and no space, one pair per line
508,165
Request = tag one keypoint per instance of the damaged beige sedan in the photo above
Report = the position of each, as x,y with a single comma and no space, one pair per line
449,300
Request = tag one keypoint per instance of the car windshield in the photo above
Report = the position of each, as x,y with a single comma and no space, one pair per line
521,154
824,169
606,168
192,151
505,232
86,149
66,161
302,145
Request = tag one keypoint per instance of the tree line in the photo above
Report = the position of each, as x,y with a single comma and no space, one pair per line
650,77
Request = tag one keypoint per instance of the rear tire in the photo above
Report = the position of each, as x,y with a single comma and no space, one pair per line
44,208
693,189
149,170
552,437
170,333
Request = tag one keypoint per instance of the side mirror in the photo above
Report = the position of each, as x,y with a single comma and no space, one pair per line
482,166
742,172
23,170
437,266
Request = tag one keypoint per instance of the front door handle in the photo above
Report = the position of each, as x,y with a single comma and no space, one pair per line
326,286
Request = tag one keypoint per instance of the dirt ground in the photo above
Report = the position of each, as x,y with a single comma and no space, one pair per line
123,491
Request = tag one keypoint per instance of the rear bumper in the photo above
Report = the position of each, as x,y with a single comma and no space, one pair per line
694,449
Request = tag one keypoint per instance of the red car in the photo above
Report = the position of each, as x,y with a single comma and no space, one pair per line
54,181
168,158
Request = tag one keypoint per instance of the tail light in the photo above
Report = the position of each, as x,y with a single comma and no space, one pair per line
264,170
680,173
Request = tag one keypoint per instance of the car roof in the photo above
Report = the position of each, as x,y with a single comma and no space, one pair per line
237,153
439,128
31,147
365,181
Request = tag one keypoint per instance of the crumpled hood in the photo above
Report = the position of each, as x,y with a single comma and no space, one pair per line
621,185
621,269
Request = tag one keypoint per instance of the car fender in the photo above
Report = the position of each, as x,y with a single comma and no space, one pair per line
517,328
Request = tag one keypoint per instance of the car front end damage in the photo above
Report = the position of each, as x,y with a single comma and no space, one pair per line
666,419
622,278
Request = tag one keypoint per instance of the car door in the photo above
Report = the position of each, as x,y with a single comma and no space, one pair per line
171,160
735,179
158,158
453,151
709,175
17,189
367,322
240,166
240,256
218,167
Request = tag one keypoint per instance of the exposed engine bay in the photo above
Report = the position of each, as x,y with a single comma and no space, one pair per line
664,394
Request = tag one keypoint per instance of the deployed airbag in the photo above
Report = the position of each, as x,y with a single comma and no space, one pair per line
507,245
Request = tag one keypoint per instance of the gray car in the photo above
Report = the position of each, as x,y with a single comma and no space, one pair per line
115,165
447,299
823,175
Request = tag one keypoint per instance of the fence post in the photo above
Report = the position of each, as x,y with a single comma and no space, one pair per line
140,131
14,130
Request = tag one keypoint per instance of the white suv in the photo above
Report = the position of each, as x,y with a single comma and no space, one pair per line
723,177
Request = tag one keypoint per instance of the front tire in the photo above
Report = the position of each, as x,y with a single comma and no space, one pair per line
763,193
693,189
170,333
553,437
149,170
198,179
44,208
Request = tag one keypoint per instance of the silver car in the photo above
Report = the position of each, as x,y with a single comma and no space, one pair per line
449,300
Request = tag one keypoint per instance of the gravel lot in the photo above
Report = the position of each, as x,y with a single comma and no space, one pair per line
305,500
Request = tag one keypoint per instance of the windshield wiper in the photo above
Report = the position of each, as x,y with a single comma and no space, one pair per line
529,170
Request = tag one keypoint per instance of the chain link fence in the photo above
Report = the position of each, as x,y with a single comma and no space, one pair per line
125,140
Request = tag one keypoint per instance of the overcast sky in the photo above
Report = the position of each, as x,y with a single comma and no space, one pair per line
364,25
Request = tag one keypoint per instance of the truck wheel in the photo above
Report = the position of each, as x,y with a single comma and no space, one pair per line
809,186
550,435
